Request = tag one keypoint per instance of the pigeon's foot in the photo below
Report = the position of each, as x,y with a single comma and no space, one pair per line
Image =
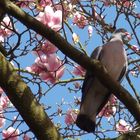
85,123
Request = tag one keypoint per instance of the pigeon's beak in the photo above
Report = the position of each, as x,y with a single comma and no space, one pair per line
128,36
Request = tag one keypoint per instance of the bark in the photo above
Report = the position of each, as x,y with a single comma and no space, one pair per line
93,65
23,99
135,135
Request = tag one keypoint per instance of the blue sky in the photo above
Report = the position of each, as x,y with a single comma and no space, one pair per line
55,95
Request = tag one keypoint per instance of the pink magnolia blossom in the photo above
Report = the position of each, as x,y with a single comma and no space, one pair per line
2,120
25,4
59,111
77,85
71,116
128,3
135,48
107,2
50,18
4,102
109,109
1,91
34,68
5,24
46,48
26,137
90,30
125,3
122,126
1,38
55,70
138,15
80,20
11,133
112,100
133,73
79,71
68,9
75,38
44,3
49,68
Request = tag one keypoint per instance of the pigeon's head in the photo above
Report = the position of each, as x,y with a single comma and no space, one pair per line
125,36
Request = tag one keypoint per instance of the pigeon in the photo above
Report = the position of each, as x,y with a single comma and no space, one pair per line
94,94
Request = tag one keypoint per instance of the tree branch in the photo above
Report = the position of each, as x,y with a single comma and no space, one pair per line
135,135
93,65
23,99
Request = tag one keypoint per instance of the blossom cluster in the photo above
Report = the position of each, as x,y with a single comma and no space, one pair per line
110,108
4,102
47,64
125,3
51,18
5,28
71,116
10,133
122,126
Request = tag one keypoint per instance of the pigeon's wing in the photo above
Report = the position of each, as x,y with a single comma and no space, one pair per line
89,77
83,121
94,94
123,72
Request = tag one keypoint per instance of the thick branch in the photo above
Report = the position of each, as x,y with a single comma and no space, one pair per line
135,135
2,14
75,55
22,98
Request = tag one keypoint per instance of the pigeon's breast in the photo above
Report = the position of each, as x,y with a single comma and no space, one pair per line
114,59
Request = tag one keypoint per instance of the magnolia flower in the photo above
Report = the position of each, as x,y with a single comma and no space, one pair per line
25,4
75,38
45,48
77,85
109,109
10,134
1,38
67,8
138,15
128,3
4,31
90,30
133,73
122,126
79,71
1,91
50,18
107,2
4,102
26,137
80,20
49,68
125,3
135,48
2,120
44,3
71,116
112,100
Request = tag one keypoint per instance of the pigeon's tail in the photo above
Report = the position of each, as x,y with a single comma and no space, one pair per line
92,103
85,123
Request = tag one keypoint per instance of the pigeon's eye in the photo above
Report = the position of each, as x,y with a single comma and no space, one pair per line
128,36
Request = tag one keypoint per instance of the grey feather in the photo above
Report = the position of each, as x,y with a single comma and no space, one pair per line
95,95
